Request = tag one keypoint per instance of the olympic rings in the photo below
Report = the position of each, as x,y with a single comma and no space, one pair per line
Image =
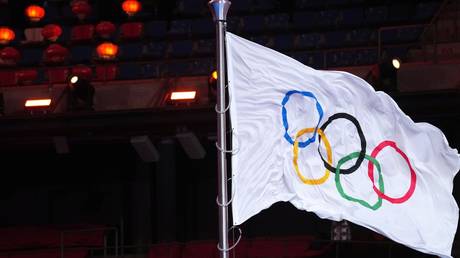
285,120
413,177
373,161
305,180
362,153
358,155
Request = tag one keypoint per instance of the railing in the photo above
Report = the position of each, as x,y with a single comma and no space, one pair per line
102,229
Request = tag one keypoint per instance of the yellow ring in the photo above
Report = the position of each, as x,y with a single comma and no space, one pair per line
305,180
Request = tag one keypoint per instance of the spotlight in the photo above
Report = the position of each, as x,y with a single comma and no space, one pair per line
73,79
214,75
396,63
212,87
81,94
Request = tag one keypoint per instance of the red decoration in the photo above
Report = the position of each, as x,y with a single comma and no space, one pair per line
82,33
107,51
9,56
81,8
56,53
82,71
6,35
35,13
51,32
132,30
105,29
131,7
26,76
106,72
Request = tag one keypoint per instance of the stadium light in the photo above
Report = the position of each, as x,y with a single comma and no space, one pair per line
396,63
37,103
183,95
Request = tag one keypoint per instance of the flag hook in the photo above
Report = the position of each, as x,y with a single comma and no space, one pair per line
237,241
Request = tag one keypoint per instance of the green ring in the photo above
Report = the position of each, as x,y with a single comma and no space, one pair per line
342,161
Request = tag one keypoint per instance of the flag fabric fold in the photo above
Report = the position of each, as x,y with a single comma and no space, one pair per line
326,142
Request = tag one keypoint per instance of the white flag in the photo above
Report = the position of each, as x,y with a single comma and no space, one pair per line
328,143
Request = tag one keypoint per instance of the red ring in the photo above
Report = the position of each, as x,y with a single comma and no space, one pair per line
413,176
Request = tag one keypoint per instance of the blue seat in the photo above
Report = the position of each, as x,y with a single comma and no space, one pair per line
234,24
150,70
264,5
190,7
340,58
277,21
426,10
34,56
253,23
305,4
131,51
394,52
284,42
81,54
202,26
326,18
155,49
180,27
130,71
401,12
377,14
201,66
181,48
312,59
66,32
261,40
335,39
66,11
352,16
304,20
242,6
205,46
52,12
360,37
176,68
155,29
366,56
309,40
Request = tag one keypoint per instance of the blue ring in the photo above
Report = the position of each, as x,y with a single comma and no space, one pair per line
285,121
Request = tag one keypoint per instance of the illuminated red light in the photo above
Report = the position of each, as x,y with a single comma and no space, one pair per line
183,95
31,103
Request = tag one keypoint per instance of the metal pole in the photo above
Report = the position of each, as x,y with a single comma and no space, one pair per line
219,9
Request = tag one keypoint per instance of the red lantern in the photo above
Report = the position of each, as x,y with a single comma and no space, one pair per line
35,12
105,29
51,32
82,71
107,51
9,56
6,35
131,7
56,53
81,8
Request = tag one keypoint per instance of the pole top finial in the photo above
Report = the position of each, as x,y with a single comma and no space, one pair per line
219,9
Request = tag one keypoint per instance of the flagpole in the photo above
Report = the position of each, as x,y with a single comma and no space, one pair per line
219,9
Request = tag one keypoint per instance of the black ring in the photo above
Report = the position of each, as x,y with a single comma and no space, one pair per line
362,153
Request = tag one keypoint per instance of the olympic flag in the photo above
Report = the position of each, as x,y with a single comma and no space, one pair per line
328,143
